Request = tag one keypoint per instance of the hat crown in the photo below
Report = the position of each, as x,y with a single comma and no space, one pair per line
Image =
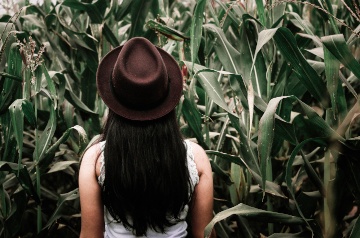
139,81
139,77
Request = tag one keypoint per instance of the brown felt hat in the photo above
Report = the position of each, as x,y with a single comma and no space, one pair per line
139,81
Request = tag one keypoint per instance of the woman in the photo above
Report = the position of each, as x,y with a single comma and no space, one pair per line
142,179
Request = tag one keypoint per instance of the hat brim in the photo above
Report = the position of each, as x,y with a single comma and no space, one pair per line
103,77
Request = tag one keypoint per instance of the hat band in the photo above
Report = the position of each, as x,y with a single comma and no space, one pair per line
135,106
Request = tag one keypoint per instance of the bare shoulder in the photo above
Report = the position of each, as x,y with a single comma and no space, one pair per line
200,157
90,158
91,154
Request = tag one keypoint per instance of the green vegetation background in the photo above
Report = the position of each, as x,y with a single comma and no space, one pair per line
271,93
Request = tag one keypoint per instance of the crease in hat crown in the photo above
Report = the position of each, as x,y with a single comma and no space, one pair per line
139,81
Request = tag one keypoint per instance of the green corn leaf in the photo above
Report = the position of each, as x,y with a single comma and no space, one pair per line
329,7
46,136
11,88
212,12
76,39
139,11
110,36
196,28
332,67
319,126
88,88
59,79
242,161
102,6
236,190
289,167
191,112
62,165
247,146
12,224
253,67
337,46
261,11
166,31
72,195
219,172
91,9
208,80
65,136
264,37
193,117
34,9
266,132
9,76
29,21
355,232
5,29
354,36
76,102
17,121
10,143
318,51
5,203
228,55
256,76
59,51
50,86
270,187
284,129
23,176
230,13
302,234
286,43
255,61
252,212
266,136
306,26
238,86
29,112
122,10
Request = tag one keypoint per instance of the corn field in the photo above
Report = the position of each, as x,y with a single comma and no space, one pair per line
271,92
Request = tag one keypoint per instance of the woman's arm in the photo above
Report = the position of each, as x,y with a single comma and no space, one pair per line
202,200
92,211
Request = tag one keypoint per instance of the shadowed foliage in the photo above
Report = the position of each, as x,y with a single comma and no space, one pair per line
271,92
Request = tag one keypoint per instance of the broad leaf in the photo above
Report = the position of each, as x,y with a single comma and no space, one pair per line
196,29
23,176
266,136
251,212
208,80
139,12
72,195
286,43
228,55
62,165
46,136
89,8
166,31
337,46
355,232
332,67
76,102
17,121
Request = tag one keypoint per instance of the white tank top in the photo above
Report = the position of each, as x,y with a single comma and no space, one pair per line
114,229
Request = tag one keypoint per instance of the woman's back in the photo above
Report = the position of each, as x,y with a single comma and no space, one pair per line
148,180
116,229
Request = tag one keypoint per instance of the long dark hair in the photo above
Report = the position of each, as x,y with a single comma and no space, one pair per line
146,177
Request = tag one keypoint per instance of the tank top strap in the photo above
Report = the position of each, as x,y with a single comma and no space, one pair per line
193,172
101,177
